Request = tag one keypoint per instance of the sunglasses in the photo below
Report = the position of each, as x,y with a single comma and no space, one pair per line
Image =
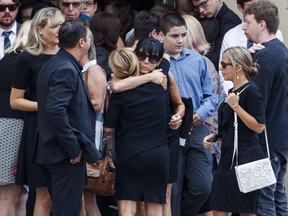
74,4
153,59
224,64
202,5
11,7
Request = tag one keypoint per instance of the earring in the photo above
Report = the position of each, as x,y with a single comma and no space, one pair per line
237,76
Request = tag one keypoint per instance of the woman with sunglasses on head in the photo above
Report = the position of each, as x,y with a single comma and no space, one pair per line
246,101
145,51
42,44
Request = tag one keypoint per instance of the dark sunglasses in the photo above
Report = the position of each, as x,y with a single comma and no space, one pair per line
74,4
224,64
202,5
152,58
11,7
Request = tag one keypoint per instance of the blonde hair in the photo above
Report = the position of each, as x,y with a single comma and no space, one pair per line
22,37
239,55
124,63
195,38
92,48
45,17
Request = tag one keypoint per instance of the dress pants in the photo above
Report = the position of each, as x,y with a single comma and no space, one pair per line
66,187
194,175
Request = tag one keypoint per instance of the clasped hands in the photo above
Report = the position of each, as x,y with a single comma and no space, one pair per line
175,122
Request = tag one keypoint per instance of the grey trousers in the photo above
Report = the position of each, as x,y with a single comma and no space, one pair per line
194,175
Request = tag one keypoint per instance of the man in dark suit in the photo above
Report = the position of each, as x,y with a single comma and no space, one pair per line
8,25
227,19
66,120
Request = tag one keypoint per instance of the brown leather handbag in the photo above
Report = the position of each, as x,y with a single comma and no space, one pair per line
101,175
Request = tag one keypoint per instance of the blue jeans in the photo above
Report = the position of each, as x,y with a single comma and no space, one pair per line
194,175
273,199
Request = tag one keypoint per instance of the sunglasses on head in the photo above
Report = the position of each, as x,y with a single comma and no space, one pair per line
225,64
74,4
152,58
11,7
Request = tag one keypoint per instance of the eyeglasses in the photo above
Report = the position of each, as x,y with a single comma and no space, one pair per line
201,5
88,4
74,4
224,64
152,58
11,7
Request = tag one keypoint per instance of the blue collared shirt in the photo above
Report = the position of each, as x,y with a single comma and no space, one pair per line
194,80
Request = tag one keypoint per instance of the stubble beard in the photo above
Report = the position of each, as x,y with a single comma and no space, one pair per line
7,24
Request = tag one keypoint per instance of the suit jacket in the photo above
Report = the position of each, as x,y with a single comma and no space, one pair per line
66,118
227,20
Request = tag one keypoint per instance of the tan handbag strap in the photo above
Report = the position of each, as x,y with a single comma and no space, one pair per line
108,138
109,143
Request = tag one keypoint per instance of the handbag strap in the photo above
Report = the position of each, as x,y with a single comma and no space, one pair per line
235,151
108,139
108,142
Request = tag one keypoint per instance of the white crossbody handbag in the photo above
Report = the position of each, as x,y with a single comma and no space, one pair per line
253,175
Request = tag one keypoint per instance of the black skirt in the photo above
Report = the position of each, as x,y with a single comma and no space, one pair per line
144,177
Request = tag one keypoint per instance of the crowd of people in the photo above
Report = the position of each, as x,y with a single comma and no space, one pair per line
76,71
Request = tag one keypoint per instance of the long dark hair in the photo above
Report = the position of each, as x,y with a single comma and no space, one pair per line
105,28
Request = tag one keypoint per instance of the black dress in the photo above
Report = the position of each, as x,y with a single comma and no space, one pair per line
225,195
27,69
172,135
139,119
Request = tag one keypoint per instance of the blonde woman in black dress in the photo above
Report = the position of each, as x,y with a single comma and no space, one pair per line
139,119
244,99
41,46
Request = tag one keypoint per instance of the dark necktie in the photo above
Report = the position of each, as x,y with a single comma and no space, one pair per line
7,42
249,44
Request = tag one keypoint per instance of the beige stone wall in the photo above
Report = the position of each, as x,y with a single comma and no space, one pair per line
282,6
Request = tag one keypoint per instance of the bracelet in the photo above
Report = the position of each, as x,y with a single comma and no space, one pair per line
87,65
233,107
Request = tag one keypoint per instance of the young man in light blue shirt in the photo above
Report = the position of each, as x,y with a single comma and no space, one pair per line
193,79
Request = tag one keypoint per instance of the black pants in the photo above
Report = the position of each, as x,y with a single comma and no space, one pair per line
66,182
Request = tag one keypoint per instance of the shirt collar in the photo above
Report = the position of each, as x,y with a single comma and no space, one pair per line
13,29
218,10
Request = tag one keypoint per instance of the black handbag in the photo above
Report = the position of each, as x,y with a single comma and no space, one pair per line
187,120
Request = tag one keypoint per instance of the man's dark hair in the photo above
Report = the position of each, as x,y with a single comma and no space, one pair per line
171,20
144,23
16,2
242,2
266,11
71,31
162,8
